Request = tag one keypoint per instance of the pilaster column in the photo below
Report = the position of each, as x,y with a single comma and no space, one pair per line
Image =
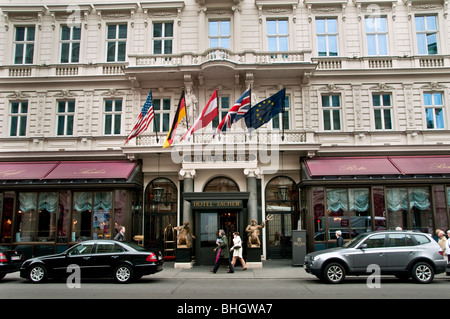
252,188
188,186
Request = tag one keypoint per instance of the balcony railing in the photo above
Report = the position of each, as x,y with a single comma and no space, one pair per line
229,138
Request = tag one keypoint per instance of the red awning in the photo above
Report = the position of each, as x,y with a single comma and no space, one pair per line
25,170
66,170
411,165
336,166
92,170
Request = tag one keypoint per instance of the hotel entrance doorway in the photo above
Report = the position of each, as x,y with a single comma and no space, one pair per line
208,226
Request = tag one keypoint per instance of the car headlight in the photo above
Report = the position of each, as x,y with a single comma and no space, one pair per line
314,258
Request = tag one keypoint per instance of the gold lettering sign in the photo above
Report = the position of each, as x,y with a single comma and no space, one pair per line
204,204
442,166
353,167
90,171
10,172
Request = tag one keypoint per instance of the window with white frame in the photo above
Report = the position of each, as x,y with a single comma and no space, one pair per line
281,120
70,44
427,34
116,42
113,116
65,116
163,38
24,45
223,108
434,110
376,34
331,110
18,118
277,34
382,108
327,36
219,34
161,109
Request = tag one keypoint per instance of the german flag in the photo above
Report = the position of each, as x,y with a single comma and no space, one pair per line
180,113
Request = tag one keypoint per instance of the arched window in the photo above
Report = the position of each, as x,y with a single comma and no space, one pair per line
221,184
282,202
161,201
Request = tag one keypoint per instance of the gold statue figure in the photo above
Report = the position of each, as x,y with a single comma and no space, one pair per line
184,236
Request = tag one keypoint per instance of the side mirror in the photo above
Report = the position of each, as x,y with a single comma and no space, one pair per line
363,246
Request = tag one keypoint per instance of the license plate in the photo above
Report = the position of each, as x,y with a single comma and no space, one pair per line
15,257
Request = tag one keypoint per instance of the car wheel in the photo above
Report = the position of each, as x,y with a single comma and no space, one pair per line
123,274
37,274
334,273
423,273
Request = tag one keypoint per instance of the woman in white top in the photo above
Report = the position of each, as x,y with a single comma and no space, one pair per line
237,250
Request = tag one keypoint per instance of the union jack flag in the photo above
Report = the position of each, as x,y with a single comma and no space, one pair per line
144,119
236,112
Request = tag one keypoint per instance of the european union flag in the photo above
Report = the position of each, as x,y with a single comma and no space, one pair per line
264,111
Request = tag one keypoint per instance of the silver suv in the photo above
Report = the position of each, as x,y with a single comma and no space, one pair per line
401,253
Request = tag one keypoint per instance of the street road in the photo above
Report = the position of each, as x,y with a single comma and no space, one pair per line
225,286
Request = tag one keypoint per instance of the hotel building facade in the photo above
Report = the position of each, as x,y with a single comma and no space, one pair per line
363,142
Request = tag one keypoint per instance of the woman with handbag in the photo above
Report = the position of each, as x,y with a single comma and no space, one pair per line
237,250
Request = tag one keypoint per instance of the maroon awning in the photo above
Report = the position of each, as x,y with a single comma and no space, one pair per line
411,165
335,166
66,170
92,170
25,170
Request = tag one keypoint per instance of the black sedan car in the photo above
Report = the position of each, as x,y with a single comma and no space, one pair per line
96,259
10,261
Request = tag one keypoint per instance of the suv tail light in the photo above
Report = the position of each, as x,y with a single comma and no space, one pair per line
152,258
3,258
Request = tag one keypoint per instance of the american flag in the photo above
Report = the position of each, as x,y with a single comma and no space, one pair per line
144,119
236,112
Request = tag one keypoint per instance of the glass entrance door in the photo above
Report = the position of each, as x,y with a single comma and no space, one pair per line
208,232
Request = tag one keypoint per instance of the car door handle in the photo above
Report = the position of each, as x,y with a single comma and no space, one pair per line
412,252
115,256
86,258
381,254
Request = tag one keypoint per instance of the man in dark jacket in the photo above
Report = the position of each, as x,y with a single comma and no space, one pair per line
223,252
339,240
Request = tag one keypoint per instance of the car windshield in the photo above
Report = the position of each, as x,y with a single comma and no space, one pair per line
355,241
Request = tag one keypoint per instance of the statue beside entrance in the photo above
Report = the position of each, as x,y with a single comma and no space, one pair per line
184,237
253,231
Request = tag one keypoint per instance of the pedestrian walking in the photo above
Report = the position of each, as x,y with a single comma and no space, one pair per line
442,241
222,252
339,239
121,234
237,250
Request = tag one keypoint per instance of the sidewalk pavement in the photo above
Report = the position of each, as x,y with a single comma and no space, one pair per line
271,269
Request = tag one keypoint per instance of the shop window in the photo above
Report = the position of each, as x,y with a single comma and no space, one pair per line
161,201
47,215
25,222
6,213
281,202
440,209
82,216
63,219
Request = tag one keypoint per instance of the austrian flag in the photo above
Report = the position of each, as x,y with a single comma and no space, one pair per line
209,113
